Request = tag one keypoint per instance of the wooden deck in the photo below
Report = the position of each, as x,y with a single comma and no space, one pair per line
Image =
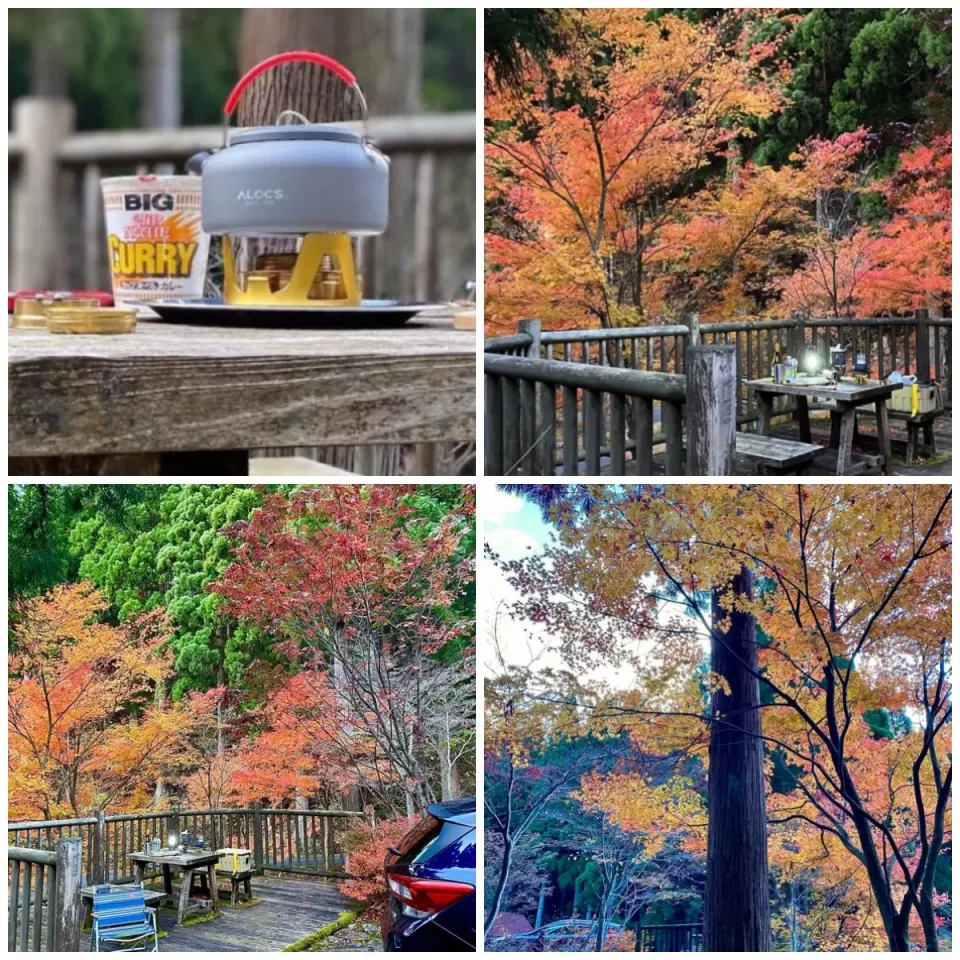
288,910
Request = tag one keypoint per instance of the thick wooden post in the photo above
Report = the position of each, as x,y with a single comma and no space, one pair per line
711,411
39,123
692,322
531,327
923,346
258,837
69,873
98,860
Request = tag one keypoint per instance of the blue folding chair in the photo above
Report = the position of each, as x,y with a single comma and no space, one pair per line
121,916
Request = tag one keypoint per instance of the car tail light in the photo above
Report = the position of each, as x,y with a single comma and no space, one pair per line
422,898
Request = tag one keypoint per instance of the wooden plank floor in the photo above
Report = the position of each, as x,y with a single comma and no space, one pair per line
288,910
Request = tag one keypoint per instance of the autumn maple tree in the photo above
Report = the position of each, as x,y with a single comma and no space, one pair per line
844,638
362,597
85,725
624,184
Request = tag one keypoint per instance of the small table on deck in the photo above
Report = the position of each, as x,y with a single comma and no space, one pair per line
174,399
843,419
203,865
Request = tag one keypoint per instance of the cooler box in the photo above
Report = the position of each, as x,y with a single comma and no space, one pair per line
234,860
916,398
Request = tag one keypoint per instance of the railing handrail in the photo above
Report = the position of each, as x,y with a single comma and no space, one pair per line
416,132
174,811
679,330
648,385
42,824
613,333
28,855
512,341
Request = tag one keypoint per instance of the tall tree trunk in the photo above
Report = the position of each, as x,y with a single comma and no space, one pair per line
736,898
48,45
160,101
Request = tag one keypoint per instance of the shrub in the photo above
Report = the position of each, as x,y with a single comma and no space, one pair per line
367,849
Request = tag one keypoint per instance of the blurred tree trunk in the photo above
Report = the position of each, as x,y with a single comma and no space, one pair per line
384,50
48,69
160,103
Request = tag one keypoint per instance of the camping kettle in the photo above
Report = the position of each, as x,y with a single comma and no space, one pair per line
293,178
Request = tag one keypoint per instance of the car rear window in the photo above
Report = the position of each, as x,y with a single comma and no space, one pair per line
427,838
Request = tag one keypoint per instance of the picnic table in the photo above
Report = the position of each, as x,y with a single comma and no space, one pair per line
846,398
173,399
200,865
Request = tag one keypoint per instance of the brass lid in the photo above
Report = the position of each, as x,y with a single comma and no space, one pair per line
31,313
95,319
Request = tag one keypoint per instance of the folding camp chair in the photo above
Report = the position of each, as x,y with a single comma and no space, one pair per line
121,916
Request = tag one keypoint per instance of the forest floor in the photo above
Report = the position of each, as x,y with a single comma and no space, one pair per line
284,912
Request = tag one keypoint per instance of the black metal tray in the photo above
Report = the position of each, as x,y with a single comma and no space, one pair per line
214,312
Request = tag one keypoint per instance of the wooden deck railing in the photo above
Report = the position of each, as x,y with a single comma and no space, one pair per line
518,413
670,938
286,841
43,890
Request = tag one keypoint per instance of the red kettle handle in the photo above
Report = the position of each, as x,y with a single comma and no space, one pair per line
290,56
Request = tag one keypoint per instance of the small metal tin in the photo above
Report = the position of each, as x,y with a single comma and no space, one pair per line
30,313
108,320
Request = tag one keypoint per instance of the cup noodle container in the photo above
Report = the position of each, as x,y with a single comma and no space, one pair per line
156,247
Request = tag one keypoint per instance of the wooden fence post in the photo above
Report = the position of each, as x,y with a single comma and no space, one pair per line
258,837
796,336
923,345
529,401
37,222
711,411
692,322
531,327
98,855
67,896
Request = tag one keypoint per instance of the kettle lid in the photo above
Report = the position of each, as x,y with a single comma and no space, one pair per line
313,131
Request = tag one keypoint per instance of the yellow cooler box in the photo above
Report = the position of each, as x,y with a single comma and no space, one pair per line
233,860
916,398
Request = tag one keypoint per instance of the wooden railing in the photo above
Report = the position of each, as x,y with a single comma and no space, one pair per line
518,413
57,236
287,841
611,409
43,912
670,938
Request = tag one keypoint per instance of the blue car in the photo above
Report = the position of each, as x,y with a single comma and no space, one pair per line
432,881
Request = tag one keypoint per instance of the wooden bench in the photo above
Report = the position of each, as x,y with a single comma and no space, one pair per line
775,454
924,421
243,877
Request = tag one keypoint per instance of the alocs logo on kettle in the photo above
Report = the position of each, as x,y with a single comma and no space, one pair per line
258,196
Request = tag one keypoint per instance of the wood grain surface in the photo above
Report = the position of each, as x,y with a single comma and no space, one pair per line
173,387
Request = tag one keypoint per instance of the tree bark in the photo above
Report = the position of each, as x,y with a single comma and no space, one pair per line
48,69
736,897
160,102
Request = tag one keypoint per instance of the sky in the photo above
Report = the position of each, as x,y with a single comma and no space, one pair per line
514,528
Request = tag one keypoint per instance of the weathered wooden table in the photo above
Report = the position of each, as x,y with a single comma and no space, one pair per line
172,399
847,398
201,865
